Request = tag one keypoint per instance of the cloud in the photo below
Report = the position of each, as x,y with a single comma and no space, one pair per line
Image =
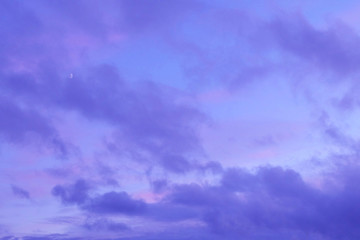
19,192
147,116
333,49
120,203
115,203
159,185
156,126
16,123
152,124
76,193
156,15
105,225
170,212
271,200
107,203
9,238
51,237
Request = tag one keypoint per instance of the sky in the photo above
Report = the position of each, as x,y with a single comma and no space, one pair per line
179,119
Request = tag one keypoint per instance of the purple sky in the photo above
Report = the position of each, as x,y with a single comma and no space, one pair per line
179,119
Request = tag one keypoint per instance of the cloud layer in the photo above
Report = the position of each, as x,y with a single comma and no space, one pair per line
178,120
